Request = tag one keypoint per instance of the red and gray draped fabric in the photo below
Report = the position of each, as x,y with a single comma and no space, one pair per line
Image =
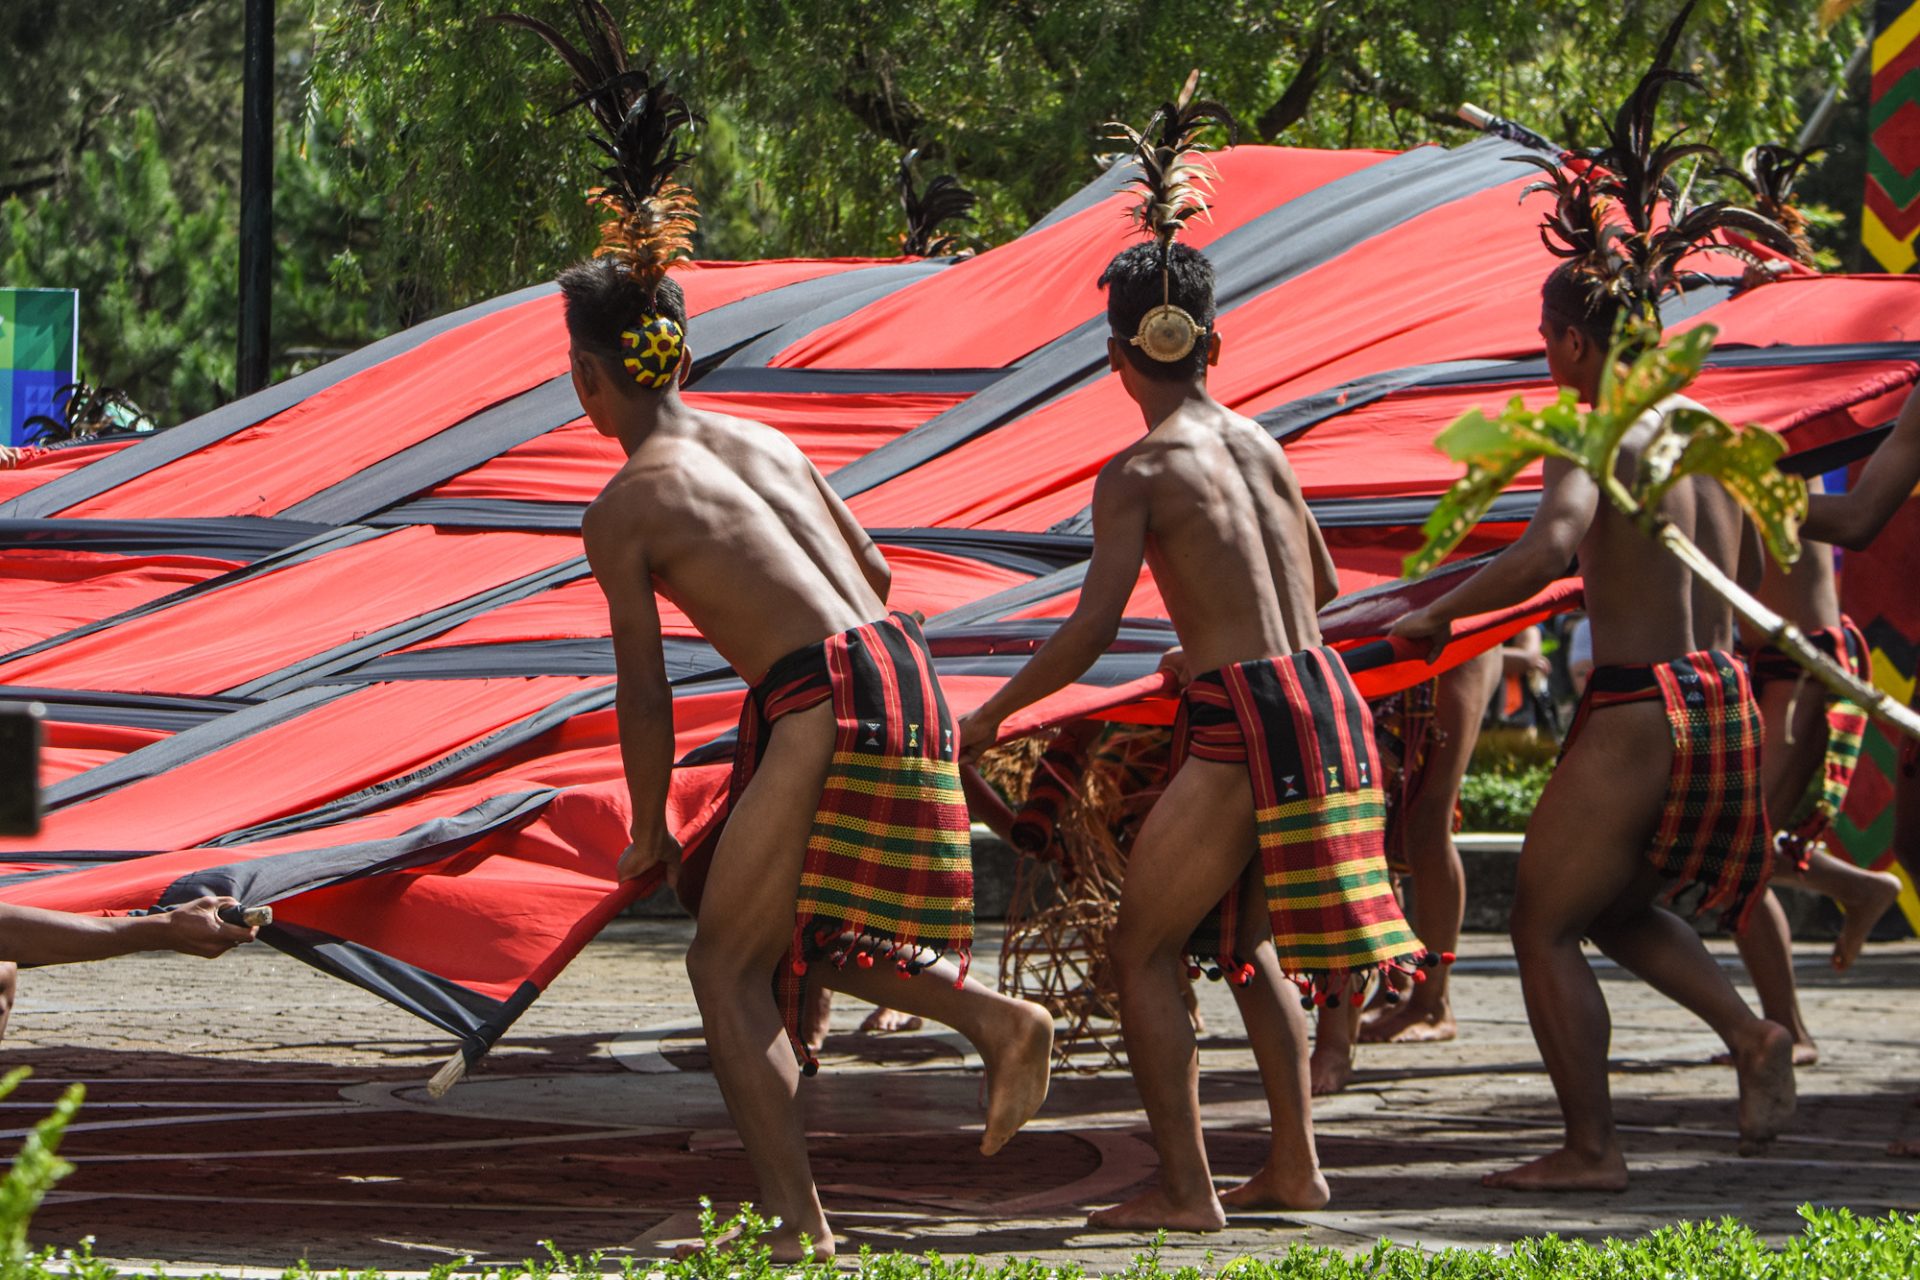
334,647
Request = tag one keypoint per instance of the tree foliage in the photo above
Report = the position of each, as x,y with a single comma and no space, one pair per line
424,162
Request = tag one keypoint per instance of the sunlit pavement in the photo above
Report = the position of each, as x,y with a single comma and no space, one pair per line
251,1111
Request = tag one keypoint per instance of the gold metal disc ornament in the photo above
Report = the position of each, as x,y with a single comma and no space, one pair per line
1167,333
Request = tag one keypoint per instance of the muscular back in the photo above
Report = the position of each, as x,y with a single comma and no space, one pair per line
734,525
1645,604
1228,536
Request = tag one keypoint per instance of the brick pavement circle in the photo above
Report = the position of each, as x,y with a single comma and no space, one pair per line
251,1111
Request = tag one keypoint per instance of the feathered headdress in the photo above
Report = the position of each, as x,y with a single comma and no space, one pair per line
647,215
1620,218
1173,183
1768,172
944,200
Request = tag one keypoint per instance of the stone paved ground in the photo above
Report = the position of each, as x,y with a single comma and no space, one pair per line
250,1111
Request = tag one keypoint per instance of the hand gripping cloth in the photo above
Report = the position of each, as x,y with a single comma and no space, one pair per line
1306,738
888,873
1807,826
1713,823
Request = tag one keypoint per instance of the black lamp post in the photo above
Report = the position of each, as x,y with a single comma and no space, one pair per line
256,196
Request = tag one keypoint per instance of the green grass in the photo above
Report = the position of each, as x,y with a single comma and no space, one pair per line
1835,1245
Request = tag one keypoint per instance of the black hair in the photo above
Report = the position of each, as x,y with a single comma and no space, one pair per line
1571,301
1133,281
603,298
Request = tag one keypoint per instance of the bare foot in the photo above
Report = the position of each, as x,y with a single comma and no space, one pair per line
1564,1170
1329,1070
783,1240
1410,1025
1765,1066
1861,913
1019,1060
1805,1054
883,1021
1271,1189
1154,1210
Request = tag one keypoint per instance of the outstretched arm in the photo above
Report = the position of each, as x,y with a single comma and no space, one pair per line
1568,499
1855,518
873,565
30,936
1119,547
643,701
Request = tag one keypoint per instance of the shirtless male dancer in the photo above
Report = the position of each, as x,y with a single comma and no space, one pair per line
1853,520
1614,827
1208,499
1421,830
729,520
1812,746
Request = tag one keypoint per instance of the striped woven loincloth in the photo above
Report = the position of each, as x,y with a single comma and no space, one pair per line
888,874
1306,737
1826,792
1713,823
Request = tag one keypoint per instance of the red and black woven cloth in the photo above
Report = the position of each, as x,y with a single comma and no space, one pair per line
1713,828
1814,814
1306,738
888,874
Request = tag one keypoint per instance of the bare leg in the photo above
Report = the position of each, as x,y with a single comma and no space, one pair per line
1793,715
1584,847
1277,1029
1864,896
1014,1037
9,988
1439,878
1906,849
1766,948
1664,950
1197,841
816,1015
1335,1046
746,925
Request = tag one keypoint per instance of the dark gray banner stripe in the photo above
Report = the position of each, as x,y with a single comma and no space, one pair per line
438,458
531,414
352,653
298,553
472,1017
177,442
259,881
716,336
134,710
441,771
760,352
187,745
1306,232
485,513
217,537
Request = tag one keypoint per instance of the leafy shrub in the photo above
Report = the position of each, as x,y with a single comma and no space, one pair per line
1502,801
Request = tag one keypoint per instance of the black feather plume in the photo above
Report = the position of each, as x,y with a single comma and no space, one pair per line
1768,173
648,215
1621,218
944,201
1174,180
